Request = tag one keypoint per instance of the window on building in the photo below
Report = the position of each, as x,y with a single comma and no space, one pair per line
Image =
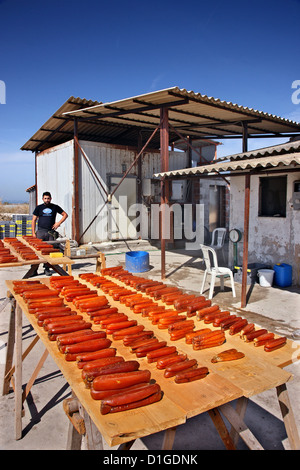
272,196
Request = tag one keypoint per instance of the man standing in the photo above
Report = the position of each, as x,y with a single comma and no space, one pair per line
45,215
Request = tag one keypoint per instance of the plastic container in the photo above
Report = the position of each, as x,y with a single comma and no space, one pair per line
266,277
137,261
283,275
252,270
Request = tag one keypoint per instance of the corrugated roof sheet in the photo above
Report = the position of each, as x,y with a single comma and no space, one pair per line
190,113
57,129
266,151
241,165
187,108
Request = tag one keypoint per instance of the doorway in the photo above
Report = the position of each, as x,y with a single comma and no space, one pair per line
217,212
120,223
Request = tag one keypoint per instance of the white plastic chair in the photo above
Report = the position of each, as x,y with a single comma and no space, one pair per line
214,271
218,240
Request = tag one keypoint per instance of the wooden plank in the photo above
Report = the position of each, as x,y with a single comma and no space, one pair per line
47,258
225,382
253,374
169,438
240,427
18,373
241,408
288,417
9,348
34,375
174,408
114,429
21,261
41,258
11,371
282,357
221,428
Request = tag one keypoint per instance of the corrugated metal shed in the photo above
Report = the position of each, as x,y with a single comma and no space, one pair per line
192,114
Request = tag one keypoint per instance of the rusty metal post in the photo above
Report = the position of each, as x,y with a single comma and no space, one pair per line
35,175
246,222
246,237
245,136
164,155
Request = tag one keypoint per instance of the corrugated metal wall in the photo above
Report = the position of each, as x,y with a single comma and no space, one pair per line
108,160
55,174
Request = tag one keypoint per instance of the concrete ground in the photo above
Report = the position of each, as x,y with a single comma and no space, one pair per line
45,424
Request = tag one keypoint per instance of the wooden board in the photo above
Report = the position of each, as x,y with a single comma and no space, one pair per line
253,374
225,382
46,258
281,357
21,261
174,408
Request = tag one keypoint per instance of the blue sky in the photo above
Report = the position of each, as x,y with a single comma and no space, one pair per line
244,52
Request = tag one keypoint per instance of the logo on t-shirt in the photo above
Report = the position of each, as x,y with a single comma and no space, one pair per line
47,212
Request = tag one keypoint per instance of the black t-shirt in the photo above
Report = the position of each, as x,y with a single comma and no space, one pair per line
47,215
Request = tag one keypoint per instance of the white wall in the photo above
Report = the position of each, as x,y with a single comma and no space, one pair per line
271,239
55,174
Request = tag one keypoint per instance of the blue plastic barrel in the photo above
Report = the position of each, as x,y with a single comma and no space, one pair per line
137,261
283,275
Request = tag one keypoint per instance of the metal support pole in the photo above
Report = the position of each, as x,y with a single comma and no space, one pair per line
139,170
164,154
245,136
246,236
35,175
246,221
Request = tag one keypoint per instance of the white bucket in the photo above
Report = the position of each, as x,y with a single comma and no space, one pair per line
265,277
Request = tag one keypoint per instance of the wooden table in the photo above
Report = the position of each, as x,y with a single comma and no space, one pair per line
47,260
225,382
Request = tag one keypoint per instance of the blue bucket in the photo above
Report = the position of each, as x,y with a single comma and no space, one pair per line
283,275
137,261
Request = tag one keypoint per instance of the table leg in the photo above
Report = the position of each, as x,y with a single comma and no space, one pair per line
74,438
92,439
84,432
31,270
241,408
35,372
58,269
18,374
169,438
288,417
221,428
240,427
4,303
9,349
101,262
126,445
